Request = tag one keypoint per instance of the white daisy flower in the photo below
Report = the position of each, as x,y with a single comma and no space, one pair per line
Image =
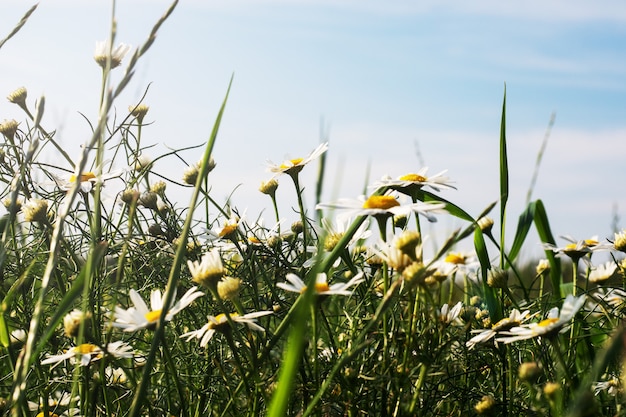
219,322
87,180
294,166
556,321
141,317
103,50
383,205
419,180
602,272
209,270
577,248
295,284
228,228
449,315
335,231
88,352
515,319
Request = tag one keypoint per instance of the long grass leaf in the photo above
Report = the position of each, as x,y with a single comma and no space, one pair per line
504,179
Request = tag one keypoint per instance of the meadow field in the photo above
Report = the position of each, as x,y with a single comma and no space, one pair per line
133,304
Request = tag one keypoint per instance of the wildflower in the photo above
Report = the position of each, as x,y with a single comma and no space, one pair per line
543,266
73,320
87,353
8,128
577,248
158,188
335,231
139,111
149,200
141,317
229,228
497,278
619,241
104,52
228,288
486,224
220,323
603,272
86,179
269,187
485,405
129,196
612,387
18,337
382,205
394,257
208,271
18,96
35,210
448,315
294,166
555,321
514,319
295,284
551,390
416,273
417,180
529,371
409,242
142,162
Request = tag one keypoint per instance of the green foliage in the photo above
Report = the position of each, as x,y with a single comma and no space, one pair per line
135,305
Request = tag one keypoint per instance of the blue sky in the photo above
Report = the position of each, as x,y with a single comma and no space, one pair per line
382,78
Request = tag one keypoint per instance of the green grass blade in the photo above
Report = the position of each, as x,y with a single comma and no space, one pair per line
545,234
495,310
504,178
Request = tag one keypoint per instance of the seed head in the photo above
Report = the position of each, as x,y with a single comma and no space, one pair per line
497,278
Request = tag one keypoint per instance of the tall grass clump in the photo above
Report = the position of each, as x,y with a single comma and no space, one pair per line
133,304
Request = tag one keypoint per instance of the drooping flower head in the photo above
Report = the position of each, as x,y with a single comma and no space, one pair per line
87,353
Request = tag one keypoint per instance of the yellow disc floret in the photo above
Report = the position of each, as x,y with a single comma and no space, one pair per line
383,202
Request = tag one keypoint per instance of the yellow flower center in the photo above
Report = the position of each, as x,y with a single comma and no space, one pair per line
85,348
455,258
380,202
320,287
41,414
413,178
254,240
153,315
86,176
221,320
227,230
547,322
294,162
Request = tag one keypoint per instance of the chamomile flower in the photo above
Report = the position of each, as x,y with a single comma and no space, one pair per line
295,284
556,321
87,180
335,231
602,272
220,323
209,270
382,205
449,315
104,51
416,180
88,352
515,319
576,249
294,166
228,229
141,317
